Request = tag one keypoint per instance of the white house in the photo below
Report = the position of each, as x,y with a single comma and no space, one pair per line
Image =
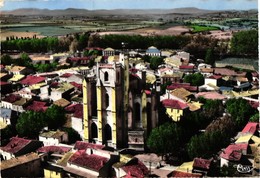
53,137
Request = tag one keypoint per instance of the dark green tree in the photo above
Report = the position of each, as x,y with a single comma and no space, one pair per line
6,59
254,118
72,134
30,124
166,138
210,58
24,60
196,79
155,62
240,111
245,43
55,117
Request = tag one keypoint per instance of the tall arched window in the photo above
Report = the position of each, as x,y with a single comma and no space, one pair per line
106,76
137,112
107,100
108,132
94,130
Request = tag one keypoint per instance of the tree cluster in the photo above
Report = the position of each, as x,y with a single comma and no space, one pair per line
240,111
166,138
47,44
245,43
30,123
196,79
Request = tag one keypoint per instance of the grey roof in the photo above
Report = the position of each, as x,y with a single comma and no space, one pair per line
6,113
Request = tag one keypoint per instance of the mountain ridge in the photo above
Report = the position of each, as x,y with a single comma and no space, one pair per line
74,11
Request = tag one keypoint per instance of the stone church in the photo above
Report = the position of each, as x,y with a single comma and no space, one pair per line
119,108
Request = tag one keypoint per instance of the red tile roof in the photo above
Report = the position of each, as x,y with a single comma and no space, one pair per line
66,75
12,98
251,127
228,72
254,104
54,84
54,149
94,162
184,174
234,152
215,77
15,145
30,80
77,109
211,95
202,163
174,104
37,106
136,169
78,86
148,92
187,86
80,145
4,83
186,67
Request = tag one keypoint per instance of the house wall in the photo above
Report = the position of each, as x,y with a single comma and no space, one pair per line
56,95
212,81
5,120
223,162
7,105
119,172
18,108
51,174
30,169
77,124
88,171
49,141
6,155
175,114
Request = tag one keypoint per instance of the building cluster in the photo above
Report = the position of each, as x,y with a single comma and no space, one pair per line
114,106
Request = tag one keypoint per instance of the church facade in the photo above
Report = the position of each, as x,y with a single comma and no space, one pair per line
119,109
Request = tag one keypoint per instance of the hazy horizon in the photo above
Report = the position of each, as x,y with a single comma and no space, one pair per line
129,4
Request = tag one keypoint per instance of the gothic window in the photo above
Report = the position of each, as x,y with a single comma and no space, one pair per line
137,112
107,100
94,130
108,132
106,76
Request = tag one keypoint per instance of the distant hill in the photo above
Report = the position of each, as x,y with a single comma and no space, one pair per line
71,11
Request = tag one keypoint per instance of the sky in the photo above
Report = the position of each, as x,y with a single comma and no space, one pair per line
130,4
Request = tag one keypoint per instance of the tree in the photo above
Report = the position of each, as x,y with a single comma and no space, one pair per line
207,144
24,60
6,60
155,62
245,43
240,111
72,134
30,124
254,118
209,58
166,138
196,79
55,116
6,133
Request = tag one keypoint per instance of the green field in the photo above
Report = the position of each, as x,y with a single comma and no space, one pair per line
199,28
